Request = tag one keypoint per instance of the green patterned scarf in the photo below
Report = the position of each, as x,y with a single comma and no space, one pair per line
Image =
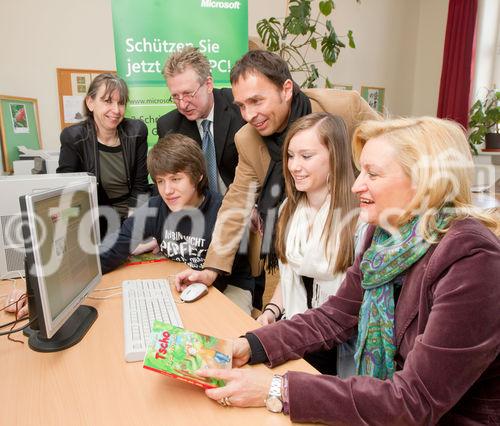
382,266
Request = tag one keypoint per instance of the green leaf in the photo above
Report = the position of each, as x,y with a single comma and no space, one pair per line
331,45
313,43
268,33
352,45
328,84
326,7
315,71
312,76
297,21
484,117
330,49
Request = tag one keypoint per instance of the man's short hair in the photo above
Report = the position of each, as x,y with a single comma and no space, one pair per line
176,153
269,64
189,57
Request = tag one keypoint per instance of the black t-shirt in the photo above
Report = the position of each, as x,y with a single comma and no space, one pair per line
183,236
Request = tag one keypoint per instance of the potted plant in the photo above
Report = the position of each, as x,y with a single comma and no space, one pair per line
292,37
484,122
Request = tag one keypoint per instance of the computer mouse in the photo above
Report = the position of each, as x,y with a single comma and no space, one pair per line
194,292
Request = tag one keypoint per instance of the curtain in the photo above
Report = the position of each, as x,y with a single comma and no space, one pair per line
458,61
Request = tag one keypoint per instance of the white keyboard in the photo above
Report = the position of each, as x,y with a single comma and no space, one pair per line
143,302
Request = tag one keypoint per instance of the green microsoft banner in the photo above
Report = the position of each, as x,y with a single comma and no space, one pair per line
148,31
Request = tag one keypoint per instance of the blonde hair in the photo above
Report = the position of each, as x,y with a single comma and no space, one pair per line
189,57
331,132
435,154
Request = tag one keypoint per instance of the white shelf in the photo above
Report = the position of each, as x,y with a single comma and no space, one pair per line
488,153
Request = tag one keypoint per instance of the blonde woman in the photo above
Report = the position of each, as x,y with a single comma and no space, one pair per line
423,298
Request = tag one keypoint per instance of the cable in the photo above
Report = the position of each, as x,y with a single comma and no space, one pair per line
109,296
11,323
107,288
16,330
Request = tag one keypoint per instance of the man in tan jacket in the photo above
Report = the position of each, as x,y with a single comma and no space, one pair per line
270,102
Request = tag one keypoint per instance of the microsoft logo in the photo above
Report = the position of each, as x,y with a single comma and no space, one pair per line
220,4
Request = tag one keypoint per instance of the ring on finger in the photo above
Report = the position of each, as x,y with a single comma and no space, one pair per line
225,402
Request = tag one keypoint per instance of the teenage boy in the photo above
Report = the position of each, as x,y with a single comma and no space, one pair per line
181,218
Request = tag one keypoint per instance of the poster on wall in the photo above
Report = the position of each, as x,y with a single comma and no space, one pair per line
374,96
72,85
146,33
80,84
19,118
19,126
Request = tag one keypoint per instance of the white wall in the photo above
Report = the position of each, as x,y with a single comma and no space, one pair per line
38,37
399,47
429,56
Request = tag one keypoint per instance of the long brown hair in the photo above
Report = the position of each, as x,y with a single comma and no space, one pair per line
331,132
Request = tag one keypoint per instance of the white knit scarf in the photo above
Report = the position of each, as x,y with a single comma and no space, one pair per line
306,257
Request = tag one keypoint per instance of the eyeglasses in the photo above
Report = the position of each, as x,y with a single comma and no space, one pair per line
186,96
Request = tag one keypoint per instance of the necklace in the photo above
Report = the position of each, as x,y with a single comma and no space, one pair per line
113,143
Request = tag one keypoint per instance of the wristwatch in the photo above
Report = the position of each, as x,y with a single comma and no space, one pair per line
274,400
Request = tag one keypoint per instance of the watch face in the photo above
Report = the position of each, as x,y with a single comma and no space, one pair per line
274,404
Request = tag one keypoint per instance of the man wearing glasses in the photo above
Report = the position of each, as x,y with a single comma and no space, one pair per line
203,113
210,117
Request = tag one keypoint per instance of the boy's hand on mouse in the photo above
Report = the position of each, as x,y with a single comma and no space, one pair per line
189,276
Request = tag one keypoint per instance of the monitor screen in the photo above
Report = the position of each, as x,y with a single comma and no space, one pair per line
62,257
11,236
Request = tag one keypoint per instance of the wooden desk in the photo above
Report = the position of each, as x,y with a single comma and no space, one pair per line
91,384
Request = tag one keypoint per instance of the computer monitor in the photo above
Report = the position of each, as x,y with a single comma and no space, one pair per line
11,236
60,230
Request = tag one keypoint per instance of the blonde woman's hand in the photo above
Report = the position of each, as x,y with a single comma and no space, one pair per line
245,387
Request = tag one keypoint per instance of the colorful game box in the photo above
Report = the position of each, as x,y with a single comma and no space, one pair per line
179,353
139,259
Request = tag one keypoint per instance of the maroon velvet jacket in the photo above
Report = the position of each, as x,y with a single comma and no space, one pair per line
447,323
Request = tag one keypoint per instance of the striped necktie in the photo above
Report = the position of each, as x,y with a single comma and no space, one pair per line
208,147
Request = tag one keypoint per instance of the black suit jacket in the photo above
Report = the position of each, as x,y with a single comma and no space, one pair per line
227,121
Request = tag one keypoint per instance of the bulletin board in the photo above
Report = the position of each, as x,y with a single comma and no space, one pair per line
72,85
19,125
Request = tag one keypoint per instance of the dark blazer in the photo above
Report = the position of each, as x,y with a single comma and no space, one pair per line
173,230
227,121
79,154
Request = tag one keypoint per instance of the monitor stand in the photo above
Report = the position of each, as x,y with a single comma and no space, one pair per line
73,330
